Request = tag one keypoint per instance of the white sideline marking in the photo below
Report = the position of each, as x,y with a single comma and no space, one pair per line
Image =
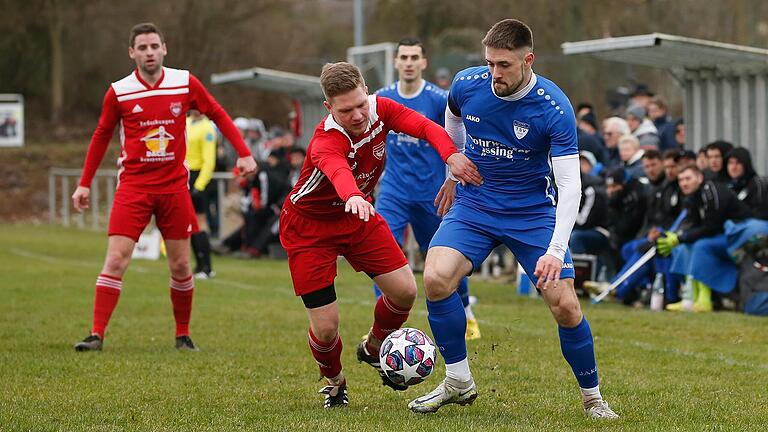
71,262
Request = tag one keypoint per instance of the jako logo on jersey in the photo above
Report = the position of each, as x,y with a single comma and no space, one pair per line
378,150
521,129
137,109
567,266
472,118
176,108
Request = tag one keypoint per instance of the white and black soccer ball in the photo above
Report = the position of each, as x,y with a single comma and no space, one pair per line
407,356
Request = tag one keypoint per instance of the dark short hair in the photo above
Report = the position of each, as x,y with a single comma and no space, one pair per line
652,154
411,41
673,154
144,28
659,101
691,167
298,150
339,78
724,147
685,154
509,34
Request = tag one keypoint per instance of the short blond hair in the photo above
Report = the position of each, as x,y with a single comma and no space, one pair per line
339,78
630,140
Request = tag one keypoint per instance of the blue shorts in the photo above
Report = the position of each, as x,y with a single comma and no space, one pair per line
422,215
475,233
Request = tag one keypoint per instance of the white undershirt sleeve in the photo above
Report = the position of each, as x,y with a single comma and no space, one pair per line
458,133
568,180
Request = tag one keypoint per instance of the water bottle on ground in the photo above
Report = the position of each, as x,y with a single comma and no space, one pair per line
657,293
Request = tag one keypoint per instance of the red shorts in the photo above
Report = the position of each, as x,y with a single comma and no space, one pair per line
131,212
313,246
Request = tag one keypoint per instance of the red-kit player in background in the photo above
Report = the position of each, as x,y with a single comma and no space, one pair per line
328,214
150,105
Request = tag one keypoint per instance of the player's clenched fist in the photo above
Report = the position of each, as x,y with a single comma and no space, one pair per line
246,165
359,206
81,198
464,169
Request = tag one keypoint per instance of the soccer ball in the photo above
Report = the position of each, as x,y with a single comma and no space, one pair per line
407,356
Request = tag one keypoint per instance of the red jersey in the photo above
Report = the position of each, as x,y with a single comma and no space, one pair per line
153,130
339,166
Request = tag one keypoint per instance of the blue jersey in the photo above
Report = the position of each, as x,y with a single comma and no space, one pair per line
512,139
414,170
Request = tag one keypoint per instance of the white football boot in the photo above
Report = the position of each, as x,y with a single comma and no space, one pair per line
447,392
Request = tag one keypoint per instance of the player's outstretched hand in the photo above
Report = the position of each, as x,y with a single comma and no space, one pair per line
464,169
81,199
246,165
359,206
445,197
548,271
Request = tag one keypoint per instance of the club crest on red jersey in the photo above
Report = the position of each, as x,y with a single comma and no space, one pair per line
378,149
176,108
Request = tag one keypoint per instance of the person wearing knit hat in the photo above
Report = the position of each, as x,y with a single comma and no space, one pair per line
642,127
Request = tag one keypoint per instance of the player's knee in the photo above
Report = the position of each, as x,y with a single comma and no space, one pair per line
407,296
116,263
567,311
179,266
436,284
326,330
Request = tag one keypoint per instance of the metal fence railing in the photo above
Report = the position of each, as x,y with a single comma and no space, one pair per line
62,183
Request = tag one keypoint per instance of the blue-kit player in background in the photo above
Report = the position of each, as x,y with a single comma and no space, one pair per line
409,185
518,128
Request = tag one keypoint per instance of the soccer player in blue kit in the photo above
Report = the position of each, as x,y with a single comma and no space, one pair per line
520,127
409,184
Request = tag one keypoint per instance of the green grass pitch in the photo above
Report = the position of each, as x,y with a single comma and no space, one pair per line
659,371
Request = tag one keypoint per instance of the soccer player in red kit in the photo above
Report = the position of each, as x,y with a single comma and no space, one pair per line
328,213
150,105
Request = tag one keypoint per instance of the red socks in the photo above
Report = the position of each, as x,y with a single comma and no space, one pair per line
107,294
326,354
181,297
387,317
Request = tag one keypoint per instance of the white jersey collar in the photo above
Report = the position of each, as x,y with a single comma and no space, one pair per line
523,92
413,96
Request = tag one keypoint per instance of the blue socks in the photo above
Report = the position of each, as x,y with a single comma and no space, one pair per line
578,350
376,291
448,323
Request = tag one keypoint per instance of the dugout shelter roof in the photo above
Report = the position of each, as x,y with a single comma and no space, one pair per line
304,88
293,84
676,53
